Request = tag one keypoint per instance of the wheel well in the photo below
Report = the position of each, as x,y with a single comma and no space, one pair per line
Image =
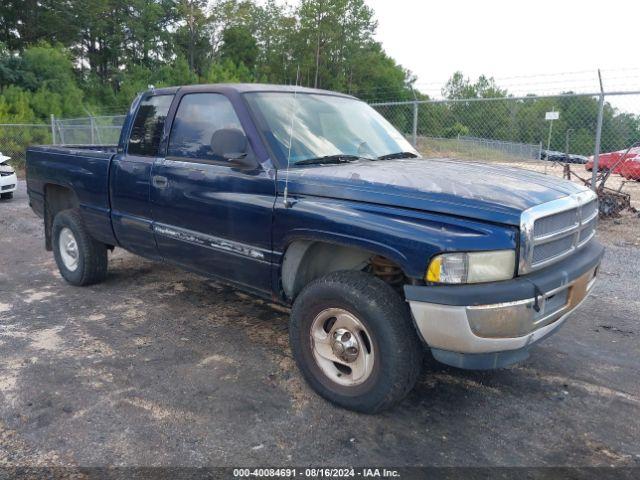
306,260
56,199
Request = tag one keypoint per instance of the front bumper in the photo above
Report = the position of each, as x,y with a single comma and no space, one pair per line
8,183
493,325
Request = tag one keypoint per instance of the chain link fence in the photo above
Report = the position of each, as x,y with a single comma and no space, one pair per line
552,134
93,130
16,137
557,135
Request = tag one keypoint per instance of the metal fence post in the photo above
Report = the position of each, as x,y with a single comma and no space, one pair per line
53,129
566,141
596,154
92,123
540,150
414,131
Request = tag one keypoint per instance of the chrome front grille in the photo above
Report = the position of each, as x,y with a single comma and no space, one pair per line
555,223
553,230
588,230
589,209
551,249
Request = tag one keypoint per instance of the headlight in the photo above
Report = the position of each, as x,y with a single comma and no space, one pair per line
472,267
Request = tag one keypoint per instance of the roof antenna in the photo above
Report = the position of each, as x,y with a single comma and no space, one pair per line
287,203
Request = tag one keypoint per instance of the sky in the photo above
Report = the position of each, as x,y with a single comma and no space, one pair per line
539,46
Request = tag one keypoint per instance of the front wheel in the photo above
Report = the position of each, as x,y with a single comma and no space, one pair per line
353,340
80,259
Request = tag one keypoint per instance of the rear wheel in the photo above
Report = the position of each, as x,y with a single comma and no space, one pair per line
353,340
80,259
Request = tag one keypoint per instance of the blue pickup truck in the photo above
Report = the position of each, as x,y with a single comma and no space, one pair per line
312,199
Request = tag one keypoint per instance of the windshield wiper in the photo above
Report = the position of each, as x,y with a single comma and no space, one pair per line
332,159
391,156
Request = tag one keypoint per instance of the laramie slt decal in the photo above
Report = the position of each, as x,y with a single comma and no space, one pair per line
208,241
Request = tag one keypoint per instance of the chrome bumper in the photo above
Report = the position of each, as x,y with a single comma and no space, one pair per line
499,327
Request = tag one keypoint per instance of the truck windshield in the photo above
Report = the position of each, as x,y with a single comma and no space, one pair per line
325,127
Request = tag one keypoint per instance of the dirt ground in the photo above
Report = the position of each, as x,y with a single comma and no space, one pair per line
157,367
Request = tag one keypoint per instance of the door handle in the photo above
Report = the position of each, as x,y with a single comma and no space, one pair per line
159,181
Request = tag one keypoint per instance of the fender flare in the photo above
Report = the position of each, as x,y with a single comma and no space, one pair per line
354,252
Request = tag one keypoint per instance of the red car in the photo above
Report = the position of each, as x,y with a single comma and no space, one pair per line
607,161
630,169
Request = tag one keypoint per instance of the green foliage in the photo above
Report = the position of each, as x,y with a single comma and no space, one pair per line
41,82
101,53
14,139
107,51
374,76
501,117
177,73
191,37
330,42
239,46
15,106
228,72
457,129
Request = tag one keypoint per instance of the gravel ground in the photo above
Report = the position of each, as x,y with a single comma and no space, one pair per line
158,367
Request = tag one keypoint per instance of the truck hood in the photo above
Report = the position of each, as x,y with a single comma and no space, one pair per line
493,193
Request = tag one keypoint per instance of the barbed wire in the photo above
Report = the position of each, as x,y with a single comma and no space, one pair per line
584,81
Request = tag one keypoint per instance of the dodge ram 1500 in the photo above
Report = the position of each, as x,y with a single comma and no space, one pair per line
312,199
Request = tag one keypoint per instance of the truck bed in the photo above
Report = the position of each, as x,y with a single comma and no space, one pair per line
83,169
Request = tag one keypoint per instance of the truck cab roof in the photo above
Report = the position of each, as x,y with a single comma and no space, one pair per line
244,88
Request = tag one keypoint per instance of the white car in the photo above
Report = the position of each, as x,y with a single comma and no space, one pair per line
8,179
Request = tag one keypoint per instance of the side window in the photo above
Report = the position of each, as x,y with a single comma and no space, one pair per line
146,131
199,116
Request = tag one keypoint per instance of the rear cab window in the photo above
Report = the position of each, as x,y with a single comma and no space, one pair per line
146,131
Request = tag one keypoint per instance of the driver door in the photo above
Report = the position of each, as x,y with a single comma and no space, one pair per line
209,216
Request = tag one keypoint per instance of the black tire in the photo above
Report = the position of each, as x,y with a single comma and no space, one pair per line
6,196
92,255
385,315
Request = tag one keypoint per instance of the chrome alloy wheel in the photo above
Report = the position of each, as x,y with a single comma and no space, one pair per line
68,247
342,347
